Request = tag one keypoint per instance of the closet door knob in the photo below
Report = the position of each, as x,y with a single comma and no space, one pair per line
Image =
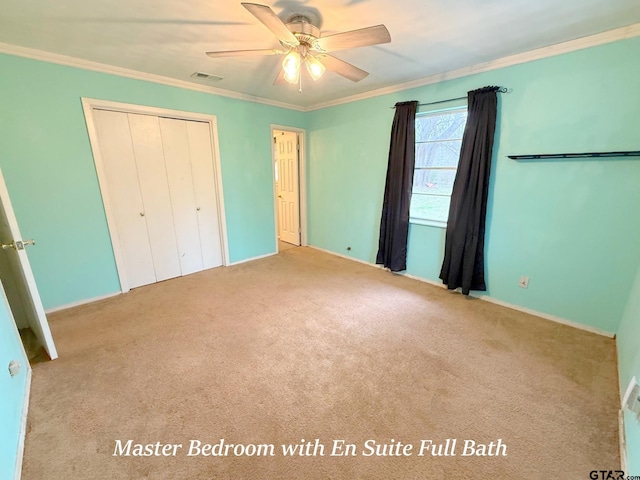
142,214
198,208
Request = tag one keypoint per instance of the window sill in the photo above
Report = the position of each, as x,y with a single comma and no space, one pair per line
428,223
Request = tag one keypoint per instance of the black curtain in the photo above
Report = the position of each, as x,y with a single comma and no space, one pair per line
394,224
463,264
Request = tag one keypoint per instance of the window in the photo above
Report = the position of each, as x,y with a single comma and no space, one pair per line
438,142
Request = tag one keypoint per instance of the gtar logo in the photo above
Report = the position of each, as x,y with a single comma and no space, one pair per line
606,475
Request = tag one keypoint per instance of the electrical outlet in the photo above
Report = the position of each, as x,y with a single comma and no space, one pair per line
14,368
631,398
524,282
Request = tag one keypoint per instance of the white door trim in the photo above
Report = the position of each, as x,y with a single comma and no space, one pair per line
88,105
302,179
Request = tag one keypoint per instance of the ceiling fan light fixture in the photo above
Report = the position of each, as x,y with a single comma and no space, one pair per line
315,68
291,64
292,78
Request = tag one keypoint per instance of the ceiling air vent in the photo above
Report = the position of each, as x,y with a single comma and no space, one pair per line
206,76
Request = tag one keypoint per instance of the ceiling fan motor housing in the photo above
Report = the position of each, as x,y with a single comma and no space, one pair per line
303,29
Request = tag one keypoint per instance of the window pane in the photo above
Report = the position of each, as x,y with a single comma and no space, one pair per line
428,207
433,182
438,143
440,127
441,154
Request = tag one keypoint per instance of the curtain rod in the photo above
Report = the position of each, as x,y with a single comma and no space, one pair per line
499,90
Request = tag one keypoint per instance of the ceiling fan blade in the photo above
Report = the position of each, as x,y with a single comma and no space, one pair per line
272,22
280,78
244,53
355,38
343,68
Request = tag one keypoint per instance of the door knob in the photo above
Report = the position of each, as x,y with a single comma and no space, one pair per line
279,196
198,208
18,244
142,214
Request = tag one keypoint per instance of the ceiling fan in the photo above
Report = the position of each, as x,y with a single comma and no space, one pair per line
302,43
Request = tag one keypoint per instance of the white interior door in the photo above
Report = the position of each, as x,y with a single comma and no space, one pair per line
24,298
288,200
201,151
126,199
175,143
147,147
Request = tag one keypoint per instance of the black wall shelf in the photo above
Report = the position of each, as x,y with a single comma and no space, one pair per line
541,156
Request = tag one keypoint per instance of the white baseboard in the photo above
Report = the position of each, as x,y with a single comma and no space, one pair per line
81,302
109,295
252,259
23,427
623,442
364,262
424,280
547,316
486,298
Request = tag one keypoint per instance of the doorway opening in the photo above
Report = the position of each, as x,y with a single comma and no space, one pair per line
289,187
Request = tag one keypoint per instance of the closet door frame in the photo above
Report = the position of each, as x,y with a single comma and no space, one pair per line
91,104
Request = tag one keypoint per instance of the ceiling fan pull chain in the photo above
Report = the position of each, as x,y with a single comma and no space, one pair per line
300,90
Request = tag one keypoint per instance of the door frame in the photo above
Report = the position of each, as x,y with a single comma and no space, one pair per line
91,104
301,134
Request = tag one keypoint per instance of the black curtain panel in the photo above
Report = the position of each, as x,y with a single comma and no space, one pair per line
463,265
394,223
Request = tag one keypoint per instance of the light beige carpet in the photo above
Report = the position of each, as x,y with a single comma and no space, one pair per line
283,246
305,345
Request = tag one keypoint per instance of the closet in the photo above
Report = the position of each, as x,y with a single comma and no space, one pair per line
161,190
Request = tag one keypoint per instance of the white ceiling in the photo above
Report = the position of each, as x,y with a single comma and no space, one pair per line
428,37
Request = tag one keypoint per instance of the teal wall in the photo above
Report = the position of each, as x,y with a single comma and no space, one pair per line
628,340
12,391
572,226
48,166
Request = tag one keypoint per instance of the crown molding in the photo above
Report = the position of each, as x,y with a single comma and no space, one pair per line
136,75
609,36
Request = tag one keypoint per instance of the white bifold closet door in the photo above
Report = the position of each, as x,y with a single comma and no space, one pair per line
162,190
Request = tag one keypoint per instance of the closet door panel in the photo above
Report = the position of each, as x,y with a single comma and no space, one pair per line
178,164
147,146
204,185
124,195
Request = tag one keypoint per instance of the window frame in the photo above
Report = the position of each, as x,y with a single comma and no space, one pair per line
452,109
